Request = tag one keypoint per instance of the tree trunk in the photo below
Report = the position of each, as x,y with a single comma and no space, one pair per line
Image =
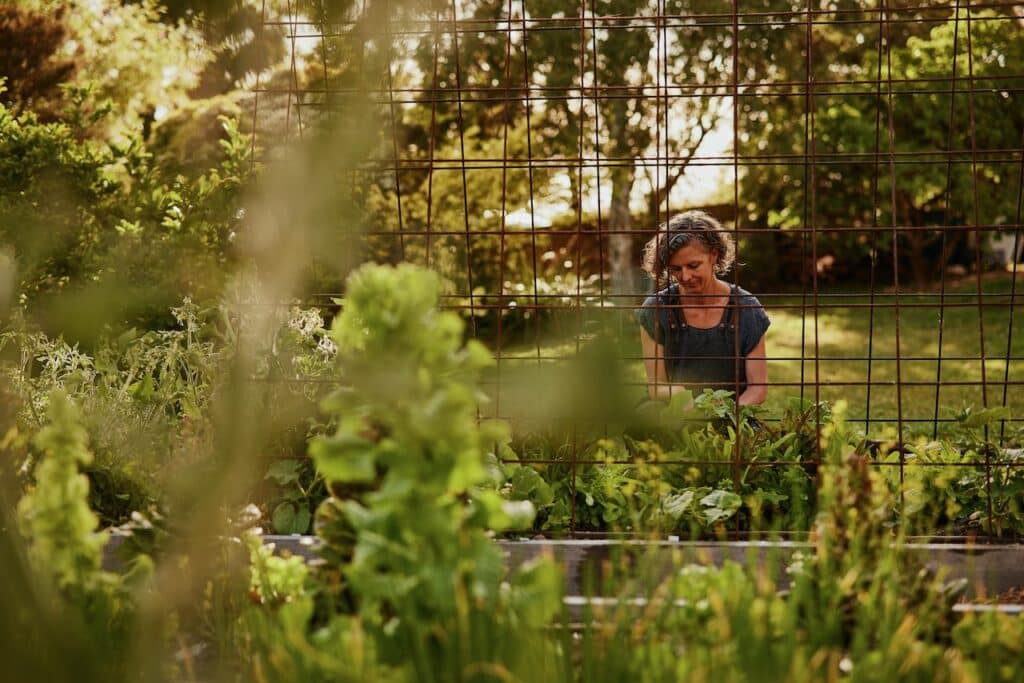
973,250
919,265
952,242
574,192
621,261
657,198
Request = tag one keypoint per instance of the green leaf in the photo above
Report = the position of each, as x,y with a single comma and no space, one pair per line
676,505
344,458
190,409
720,505
284,472
985,416
520,514
773,497
300,524
142,390
784,441
527,484
722,499
283,518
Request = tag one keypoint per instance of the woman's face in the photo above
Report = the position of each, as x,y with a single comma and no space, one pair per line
693,267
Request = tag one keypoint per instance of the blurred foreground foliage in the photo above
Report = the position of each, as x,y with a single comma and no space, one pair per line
409,585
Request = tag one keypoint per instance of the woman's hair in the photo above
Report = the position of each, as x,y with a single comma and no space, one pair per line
688,227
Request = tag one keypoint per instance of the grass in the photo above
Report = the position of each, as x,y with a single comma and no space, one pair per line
835,344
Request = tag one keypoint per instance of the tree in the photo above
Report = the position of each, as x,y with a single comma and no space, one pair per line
595,70
129,59
986,114
244,37
30,64
854,186
100,223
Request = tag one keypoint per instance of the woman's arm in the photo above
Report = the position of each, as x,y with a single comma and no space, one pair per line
658,385
757,376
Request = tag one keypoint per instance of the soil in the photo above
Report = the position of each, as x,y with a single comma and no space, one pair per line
1014,596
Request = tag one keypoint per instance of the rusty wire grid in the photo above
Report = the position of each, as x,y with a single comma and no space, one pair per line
776,116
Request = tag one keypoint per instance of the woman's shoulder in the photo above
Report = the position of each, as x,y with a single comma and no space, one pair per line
669,295
750,307
745,298
753,319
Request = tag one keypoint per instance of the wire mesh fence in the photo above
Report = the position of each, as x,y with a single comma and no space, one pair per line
867,159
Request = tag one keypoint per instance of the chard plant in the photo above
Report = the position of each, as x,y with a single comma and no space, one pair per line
944,489
652,478
855,609
949,481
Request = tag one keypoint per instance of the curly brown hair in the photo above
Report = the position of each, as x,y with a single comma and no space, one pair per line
681,230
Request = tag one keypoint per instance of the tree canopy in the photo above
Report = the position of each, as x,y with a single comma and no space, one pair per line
522,147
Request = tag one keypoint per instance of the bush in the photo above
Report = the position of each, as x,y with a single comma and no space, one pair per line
100,233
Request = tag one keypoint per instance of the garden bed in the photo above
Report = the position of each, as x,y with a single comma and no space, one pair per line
589,564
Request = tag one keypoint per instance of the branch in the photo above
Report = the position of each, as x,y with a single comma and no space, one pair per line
659,196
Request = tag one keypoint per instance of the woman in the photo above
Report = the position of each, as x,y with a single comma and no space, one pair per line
699,331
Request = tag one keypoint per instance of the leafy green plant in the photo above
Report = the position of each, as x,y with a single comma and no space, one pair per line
948,483
64,543
146,398
118,236
993,645
653,479
762,476
55,515
856,607
299,490
411,575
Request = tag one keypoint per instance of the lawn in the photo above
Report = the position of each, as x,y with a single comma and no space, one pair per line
838,354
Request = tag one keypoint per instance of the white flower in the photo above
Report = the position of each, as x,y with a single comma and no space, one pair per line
327,346
306,321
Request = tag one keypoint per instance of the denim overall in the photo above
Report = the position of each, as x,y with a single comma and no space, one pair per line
701,358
